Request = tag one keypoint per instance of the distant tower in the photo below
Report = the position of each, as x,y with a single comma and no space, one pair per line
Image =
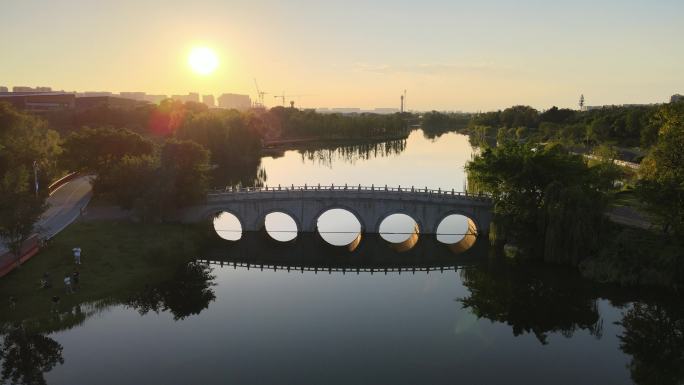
581,102
291,103
402,104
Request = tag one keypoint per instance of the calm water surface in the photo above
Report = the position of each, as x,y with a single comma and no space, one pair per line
475,322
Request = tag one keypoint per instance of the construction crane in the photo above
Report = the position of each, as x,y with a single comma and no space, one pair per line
260,96
283,96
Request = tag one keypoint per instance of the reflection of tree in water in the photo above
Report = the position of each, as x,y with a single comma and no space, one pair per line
353,153
654,337
538,301
188,293
26,356
239,175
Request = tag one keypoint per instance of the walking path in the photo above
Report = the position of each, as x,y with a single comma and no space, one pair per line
65,205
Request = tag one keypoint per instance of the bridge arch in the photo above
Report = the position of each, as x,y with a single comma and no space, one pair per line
469,237
261,218
354,243
388,213
359,217
411,239
214,215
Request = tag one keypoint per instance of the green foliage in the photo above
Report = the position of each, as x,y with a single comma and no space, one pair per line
119,260
97,150
436,123
184,166
133,181
294,123
188,293
557,115
519,116
654,337
636,257
531,299
26,356
546,200
662,171
20,208
233,138
625,125
157,186
27,150
25,139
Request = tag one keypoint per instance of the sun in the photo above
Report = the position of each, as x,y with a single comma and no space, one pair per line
203,60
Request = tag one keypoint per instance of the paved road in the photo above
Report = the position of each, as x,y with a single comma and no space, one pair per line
65,206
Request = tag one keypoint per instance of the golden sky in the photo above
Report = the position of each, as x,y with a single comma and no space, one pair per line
449,55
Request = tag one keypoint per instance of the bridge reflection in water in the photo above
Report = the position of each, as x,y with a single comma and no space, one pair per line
311,253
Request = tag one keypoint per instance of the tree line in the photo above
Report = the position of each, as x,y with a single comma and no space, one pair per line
625,126
150,158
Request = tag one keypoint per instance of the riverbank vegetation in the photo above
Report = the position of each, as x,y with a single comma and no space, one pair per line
119,260
550,204
28,150
547,201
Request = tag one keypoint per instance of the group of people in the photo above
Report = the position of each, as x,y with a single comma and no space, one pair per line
72,282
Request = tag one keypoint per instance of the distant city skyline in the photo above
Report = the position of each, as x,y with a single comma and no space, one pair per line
244,101
448,55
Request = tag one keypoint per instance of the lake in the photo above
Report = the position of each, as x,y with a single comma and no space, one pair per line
255,311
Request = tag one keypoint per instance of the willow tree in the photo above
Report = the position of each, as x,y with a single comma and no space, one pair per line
547,201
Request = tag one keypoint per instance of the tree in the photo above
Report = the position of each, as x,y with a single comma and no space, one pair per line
557,115
184,166
20,209
25,143
662,171
97,150
188,293
546,200
26,356
520,116
531,300
654,336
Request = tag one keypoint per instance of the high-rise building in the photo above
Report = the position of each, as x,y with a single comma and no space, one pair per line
133,95
235,101
31,89
191,97
94,93
676,98
3,89
156,99
208,100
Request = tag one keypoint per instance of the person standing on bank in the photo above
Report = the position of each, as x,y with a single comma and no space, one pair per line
77,255
67,284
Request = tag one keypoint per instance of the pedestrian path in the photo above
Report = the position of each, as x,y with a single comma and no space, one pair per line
65,206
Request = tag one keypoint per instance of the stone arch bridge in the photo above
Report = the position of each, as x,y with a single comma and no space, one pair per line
370,205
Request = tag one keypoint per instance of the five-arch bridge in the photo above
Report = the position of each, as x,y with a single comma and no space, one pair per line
370,205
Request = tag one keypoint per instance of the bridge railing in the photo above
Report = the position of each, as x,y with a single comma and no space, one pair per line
350,188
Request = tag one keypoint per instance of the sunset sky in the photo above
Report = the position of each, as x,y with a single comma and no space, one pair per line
449,55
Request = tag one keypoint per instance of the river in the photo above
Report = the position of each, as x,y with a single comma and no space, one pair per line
334,317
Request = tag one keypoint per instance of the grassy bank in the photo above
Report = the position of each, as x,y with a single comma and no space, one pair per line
118,259
637,258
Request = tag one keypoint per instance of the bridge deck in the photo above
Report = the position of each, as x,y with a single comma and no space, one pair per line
306,191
